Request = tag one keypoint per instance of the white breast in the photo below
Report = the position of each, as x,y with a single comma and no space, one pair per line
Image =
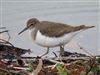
53,41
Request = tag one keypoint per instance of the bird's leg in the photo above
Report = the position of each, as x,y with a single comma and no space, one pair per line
46,52
61,51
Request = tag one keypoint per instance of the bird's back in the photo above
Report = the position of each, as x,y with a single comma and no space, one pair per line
53,29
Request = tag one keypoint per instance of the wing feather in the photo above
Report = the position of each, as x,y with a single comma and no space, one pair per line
52,29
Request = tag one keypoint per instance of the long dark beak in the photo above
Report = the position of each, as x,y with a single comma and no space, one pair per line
23,30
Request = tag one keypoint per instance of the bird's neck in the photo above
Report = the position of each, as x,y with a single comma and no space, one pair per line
33,32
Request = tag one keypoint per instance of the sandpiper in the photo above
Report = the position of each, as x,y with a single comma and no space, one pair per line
52,34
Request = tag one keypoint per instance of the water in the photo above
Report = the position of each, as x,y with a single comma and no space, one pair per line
15,14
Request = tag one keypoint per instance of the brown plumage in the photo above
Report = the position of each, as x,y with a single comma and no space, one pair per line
52,29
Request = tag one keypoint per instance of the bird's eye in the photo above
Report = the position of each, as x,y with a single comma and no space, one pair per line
31,24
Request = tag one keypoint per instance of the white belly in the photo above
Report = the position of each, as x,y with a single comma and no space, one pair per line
53,41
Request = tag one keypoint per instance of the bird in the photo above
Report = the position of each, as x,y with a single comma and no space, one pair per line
52,34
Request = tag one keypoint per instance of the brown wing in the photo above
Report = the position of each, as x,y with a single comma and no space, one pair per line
52,29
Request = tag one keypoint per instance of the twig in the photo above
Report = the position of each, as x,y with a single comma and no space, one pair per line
55,54
4,31
7,42
8,36
2,27
38,69
72,58
84,50
7,31
54,61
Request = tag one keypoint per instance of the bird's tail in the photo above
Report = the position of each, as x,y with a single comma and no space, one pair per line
83,27
87,27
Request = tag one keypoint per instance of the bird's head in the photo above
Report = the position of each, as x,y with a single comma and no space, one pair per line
31,23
